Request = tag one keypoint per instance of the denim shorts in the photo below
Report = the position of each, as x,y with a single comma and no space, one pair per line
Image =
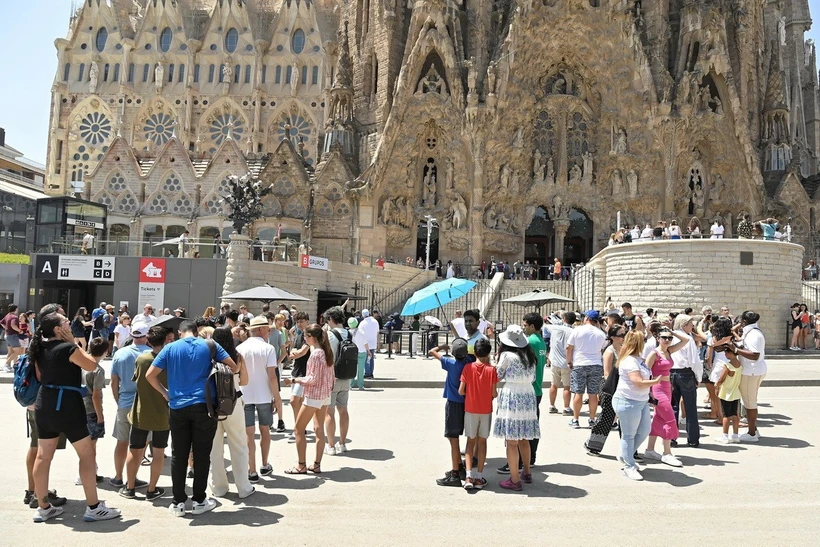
588,378
13,340
264,411
96,430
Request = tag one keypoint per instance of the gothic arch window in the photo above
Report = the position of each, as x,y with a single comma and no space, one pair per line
295,209
334,194
130,73
101,39
116,72
213,205
325,209
223,120
272,207
577,138
544,134
82,72
165,39
224,185
66,72
95,128
116,183
284,188
105,199
159,128
301,130
127,203
343,209
298,41
106,71
157,204
172,184
231,40
211,70
182,204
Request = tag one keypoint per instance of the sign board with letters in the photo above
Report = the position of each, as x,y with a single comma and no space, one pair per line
75,268
314,262
152,283
85,223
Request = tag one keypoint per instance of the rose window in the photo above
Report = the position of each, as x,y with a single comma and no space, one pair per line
159,128
223,126
95,128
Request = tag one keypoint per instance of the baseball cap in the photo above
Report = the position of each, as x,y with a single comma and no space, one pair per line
592,315
352,323
365,313
459,348
139,330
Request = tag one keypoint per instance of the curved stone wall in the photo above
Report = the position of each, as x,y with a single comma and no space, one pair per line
763,276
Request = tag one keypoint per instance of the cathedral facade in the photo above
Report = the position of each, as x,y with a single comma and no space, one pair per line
525,128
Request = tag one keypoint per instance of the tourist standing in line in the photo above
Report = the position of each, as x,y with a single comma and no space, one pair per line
558,361
752,354
370,326
299,357
531,324
453,407
339,397
631,401
78,326
360,339
585,345
318,384
278,338
664,423
232,427
479,386
686,374
516,415
727,381
188,362
600,431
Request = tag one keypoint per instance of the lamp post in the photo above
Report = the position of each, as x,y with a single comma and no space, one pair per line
430,226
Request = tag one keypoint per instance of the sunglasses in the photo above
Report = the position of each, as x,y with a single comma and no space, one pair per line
620,335
666,337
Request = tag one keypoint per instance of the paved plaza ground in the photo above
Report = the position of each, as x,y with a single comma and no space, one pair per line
383,491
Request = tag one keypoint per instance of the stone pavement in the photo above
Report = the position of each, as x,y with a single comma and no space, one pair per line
383,491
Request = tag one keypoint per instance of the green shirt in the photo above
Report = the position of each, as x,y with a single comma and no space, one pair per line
540,349
150,409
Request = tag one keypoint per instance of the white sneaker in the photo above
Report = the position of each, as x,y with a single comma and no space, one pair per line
78,482
746,438
669,459
652,455
291,438
330,450
100,513
42,515
340,448
177,509
632,473
204,506
7,368
723,439
734,439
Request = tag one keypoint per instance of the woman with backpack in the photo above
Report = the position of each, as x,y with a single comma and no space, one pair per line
234,428
60,409
318,382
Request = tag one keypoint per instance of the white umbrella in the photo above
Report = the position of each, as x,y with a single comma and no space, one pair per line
172,241
432,320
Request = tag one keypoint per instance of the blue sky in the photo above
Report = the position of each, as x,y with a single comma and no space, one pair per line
29,60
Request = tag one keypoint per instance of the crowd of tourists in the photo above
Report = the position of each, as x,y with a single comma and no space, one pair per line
638,375
768,229
166,384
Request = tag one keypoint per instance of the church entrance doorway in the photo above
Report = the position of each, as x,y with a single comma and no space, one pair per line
421,242
539,241
578,243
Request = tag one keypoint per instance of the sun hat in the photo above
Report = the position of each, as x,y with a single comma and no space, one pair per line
259,321
514,336
352,323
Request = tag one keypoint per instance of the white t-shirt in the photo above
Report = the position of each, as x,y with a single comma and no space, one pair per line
754,341
124,334
717,231
635,233
588,342
650,346
719,360
371,331
674,231
142,318
558,344
359,339
626,388
646,233
259,356
334,341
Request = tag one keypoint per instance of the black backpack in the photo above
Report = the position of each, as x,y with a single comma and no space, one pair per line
221,404
346,360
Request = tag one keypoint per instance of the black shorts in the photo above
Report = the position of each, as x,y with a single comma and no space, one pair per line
278,379
729,407
34,435
139,438
453,419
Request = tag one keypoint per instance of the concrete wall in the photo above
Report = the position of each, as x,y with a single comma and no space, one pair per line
14,279
672,275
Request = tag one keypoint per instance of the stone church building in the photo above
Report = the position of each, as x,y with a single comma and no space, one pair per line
523,127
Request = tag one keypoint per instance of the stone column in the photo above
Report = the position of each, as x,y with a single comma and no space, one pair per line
477,203
237,275
561,226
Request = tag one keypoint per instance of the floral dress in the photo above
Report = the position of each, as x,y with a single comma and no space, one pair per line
516,413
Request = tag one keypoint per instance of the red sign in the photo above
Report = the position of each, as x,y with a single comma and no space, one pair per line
304,261
152,270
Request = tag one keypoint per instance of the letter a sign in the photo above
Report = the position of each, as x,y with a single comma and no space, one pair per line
46,266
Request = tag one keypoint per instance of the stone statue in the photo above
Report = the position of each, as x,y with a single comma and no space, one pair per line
93,76
587,171
449,175
431,83
503,223
159,76
575,174
705,98
409,214
617,183
537,167
490,218
515,187
717,187
227,74
683,89
294,79
550,176
430,186
459,211
620,142
518,138
718,106
698,200
137,8
632,183
387,211
471,74
411,173
491,76
505,176
781,29
559,86
559,209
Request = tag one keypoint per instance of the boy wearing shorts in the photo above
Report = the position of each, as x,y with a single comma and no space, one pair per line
453,408
95,383
478,384
728,388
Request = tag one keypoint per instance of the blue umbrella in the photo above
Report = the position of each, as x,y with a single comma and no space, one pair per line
436,295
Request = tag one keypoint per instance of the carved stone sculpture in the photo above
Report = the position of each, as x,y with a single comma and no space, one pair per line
717,187
490,218
159,76
617,183
550,176
620,142
781,29
93,76
294,79
431,83
559,209
227,74
587,171
505,176
429,189
491,76
705,98
698,200
575,174
537,167
515,187
632,183
411,173
471,75
458,209
449,182
518,138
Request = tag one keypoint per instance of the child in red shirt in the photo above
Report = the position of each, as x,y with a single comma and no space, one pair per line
479,383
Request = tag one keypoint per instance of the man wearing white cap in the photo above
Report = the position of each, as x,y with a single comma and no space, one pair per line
371,331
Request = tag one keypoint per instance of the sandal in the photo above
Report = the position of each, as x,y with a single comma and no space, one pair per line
316,468
299,470
146,460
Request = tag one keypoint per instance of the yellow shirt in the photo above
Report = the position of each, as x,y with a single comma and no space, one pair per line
730,388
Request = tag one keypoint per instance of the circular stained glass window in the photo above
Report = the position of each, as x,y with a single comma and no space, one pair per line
224,125
159,128
95,128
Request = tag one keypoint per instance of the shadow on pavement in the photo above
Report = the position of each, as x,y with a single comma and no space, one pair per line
260,498
348,474
73,518
688,461
674,478
370,454
727,448
783,442
571,469
246,516
306,482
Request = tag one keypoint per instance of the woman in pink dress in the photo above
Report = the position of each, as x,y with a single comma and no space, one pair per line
664,424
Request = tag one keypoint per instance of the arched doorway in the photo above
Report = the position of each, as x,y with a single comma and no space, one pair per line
421,242
539,238
578,241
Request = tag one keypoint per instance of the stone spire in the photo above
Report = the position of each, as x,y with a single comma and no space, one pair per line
344,74
339,131
776,82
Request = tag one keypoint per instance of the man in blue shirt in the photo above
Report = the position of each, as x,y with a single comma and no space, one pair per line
188,365
124,388
769,227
